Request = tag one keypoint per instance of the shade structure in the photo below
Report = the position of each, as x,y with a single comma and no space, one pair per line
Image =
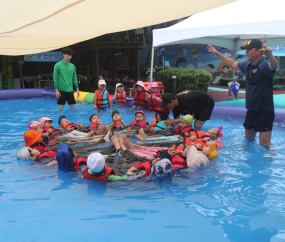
33,26
229,24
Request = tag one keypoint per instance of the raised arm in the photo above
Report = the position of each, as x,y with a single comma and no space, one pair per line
229,62
273,63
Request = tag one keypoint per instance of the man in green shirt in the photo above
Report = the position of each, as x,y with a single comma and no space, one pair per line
64,76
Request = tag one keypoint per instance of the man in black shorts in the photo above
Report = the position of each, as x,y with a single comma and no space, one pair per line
259,88
64,76
196,103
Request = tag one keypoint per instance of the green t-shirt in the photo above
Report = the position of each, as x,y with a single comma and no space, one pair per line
64,76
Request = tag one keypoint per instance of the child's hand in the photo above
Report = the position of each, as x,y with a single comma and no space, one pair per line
45,134
169,126
148,96
49,130
100,130
199,146
131,170
100,123
81,125
192,138
172,151
108,127
95,107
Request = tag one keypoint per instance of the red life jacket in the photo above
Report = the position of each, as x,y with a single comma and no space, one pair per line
72,126
102,100
78,162
93,126
140,98
146,167
179,160
185,130
98,178
153,103
141,124
46,154
121,98
55,132
40,147
117,124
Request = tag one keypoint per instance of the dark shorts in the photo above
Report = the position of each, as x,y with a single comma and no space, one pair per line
205,113
260,121
66,96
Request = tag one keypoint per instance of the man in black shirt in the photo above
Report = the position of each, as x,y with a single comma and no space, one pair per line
196,103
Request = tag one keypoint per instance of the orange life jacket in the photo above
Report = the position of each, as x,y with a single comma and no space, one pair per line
46,154
117,124
153,123
146,167
72,126
101,101
140,98
121,98
98,178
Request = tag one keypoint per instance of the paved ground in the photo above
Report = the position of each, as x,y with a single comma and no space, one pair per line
219,95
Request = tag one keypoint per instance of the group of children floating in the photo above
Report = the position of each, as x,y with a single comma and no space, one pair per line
164,147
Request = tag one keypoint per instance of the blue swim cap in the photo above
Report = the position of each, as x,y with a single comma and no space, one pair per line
60,118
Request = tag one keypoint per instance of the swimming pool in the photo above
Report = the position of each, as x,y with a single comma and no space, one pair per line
240,197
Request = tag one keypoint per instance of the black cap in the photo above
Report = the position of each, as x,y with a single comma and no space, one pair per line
253,43
67,51
166,98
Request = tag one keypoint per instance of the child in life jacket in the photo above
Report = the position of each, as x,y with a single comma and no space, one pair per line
140,95
96,124
47,126
138,122
120,94
34,140
101,96
68,160
154,96
37,126
117,121
185,125
97,170
200,159
64,123
216,132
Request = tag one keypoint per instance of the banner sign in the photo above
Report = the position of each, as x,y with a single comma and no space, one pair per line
52,56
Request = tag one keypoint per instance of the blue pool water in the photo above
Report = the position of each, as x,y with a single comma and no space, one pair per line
240,197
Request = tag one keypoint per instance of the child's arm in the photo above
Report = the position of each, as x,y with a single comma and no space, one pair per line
95,101
109,101
115,97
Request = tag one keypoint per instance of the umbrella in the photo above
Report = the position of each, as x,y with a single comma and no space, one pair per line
234,87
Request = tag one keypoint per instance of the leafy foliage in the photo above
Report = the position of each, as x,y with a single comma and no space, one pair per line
187,79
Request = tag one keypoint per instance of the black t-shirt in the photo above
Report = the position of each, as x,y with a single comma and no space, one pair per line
190,102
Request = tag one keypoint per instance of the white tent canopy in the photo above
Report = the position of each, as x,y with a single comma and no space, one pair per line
33,26
231,24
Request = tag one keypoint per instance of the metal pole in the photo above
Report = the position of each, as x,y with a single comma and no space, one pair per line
174,85
151,64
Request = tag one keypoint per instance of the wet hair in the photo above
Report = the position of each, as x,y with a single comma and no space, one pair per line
163,115
67,51
92,116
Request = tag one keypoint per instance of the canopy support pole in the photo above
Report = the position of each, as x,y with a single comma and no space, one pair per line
234,56
151,64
